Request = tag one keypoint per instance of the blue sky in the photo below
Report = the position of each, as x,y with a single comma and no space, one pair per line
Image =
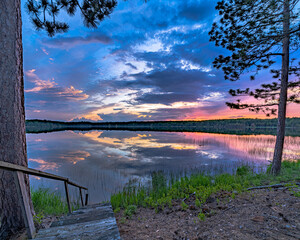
147,61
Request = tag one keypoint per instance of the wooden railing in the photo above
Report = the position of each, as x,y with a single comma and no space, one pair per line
23,196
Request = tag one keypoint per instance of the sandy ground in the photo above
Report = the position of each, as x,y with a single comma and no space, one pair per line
258,214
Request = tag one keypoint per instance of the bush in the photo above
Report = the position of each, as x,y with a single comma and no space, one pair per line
244,170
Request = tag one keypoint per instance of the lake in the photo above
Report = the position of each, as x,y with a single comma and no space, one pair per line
104,161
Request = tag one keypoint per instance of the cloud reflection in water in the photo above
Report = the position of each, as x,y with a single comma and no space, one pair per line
104,161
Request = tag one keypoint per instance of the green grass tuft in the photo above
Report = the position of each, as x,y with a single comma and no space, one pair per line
130,210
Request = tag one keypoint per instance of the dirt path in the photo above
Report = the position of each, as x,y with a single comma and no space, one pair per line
258,214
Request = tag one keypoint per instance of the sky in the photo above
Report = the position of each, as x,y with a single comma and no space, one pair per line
147,61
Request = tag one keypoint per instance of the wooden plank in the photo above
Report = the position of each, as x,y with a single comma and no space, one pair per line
272,186
89,223
14,167
86,199
76,185
24,204
85,216
68,197
105,229
81,197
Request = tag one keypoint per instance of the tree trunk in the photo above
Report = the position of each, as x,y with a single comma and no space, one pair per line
12,114
276,164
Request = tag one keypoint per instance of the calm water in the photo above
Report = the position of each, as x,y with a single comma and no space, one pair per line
104,161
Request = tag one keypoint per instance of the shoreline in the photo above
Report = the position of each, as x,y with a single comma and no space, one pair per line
258,214
218,207
236,126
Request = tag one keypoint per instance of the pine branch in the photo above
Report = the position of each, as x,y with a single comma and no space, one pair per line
43,13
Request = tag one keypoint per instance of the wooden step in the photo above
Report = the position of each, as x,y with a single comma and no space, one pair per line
91,222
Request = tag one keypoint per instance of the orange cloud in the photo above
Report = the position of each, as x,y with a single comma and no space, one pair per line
51,87
73,94
75,157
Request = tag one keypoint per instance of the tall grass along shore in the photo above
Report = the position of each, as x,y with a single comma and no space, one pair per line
163,189
47,203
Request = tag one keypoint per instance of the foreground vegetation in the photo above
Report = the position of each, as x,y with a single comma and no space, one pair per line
228,126
47,203
162,190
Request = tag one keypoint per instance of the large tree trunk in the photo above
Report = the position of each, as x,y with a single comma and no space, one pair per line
12,115
276,165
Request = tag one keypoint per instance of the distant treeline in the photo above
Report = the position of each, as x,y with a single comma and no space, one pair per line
227,126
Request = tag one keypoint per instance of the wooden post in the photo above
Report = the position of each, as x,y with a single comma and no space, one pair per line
68,197
81,197
86,199
24,204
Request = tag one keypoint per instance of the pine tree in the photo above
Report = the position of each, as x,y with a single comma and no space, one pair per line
12,113
44,13
260,34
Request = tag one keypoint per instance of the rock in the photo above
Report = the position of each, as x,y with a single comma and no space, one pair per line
258,219
205,210
210,200
284,218
192,207
222,207
276,209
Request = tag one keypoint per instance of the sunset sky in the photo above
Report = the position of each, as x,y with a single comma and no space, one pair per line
148,61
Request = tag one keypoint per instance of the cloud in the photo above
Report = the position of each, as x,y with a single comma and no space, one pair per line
137,66
75,156
51,88
196,10
44,165
70,42
72,94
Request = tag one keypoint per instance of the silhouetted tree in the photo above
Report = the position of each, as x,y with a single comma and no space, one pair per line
12,113
259,33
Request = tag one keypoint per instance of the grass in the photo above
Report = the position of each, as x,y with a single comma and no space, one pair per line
163,190
47,203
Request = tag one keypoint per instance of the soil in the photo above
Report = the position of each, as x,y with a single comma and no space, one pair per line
256,214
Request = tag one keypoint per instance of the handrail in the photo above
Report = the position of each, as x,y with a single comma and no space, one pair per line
14,167
23,196
30,171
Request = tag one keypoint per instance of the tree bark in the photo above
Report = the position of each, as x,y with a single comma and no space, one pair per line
277,158
12,114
